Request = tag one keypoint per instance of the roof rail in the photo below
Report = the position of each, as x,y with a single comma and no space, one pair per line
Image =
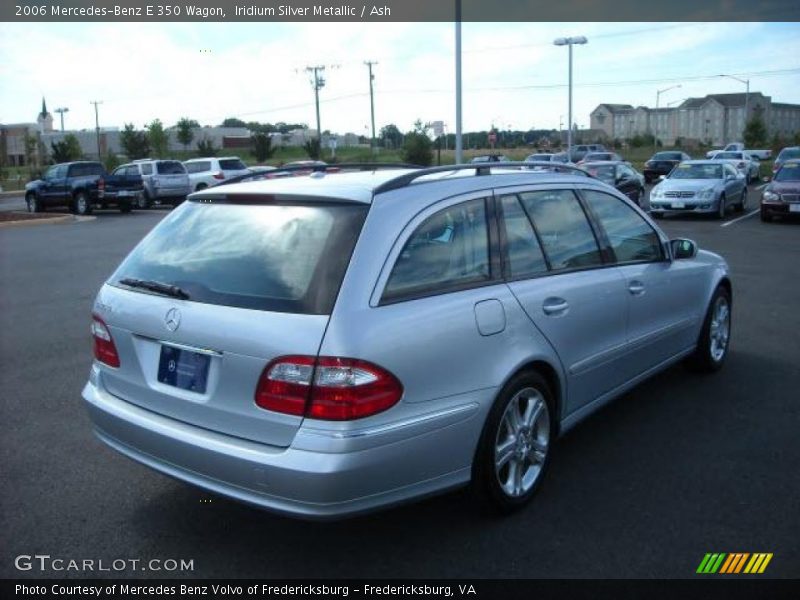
480,169
306,169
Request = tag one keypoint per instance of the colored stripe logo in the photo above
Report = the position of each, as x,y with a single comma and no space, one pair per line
734,563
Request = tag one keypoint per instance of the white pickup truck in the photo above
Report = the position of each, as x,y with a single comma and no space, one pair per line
739,147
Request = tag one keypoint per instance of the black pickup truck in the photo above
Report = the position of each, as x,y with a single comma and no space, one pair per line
82,186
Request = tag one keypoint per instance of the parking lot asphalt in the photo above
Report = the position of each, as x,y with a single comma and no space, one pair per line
681,466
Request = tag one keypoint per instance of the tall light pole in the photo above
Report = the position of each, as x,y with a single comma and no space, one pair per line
459,148
570,41
369,64
746,96
97,126
655,129
61,112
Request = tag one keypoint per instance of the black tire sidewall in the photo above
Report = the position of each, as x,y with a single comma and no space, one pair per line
484,479
702,360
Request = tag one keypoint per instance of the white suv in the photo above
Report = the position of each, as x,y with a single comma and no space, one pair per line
208,172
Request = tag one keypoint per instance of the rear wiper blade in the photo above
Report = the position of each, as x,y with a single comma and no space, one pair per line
156,286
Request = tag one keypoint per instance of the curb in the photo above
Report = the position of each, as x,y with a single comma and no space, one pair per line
54,220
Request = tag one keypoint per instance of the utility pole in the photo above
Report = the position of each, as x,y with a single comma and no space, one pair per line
97,126
61,112
318,82
369,64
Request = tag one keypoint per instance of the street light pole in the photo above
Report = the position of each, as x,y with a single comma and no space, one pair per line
459,147
655,129
746,96
97,126
570,41
61,112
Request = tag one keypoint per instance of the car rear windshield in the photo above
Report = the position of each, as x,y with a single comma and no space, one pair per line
170,167
231,164
284,257
667,156
198,167
545,157
606,173
734,155
788,153
85,170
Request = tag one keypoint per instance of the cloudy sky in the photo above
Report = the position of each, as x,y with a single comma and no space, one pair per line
513,75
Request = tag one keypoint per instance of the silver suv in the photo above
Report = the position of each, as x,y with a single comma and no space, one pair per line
165,182
330,344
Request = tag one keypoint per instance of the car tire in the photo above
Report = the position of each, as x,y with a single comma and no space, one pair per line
81,205
712,346
200,186
34,206
125,208
647,179
742,205
721,208
143,201
515,445
657,214
640,198
765,216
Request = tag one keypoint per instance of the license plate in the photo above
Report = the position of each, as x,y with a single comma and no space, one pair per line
183,369
124,193
794,208
678,205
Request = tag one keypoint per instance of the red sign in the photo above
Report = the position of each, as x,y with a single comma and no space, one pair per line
492,137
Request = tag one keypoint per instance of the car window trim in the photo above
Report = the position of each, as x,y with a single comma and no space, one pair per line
379,298
506,260
599,225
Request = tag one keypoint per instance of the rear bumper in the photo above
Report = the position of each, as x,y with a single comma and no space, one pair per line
323,483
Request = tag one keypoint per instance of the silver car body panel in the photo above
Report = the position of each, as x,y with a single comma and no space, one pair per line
453,353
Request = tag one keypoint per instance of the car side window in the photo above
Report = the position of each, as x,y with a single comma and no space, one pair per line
632,239
525,256
448,251
61,172
50,173
566,235
147,169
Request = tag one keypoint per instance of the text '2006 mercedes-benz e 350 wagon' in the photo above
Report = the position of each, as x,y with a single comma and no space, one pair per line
328,344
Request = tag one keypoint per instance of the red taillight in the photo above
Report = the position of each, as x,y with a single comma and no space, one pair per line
219,175
104,349
329,388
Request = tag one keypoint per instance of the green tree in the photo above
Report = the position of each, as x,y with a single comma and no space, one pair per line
32,154
755,132
233,122
135,143
262,146
391,136
313,148
159,138
185,133
417,149
68,149
205,147
111,162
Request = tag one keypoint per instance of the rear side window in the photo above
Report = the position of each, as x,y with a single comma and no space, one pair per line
566,235
525,258
287,257
631,238
198,167
85,170
450,250
147,169
231,164
170,167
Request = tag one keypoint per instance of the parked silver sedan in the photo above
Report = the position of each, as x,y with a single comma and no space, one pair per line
745,163
331,344
700,186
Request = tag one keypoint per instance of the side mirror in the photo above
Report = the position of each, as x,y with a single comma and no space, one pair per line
662,177
683,248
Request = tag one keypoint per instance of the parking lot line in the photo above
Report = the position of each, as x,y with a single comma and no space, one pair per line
750,214
762,186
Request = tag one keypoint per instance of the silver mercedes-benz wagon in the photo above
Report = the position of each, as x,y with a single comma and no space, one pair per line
329,344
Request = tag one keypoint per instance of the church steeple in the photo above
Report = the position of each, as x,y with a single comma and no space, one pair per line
44,108
45,119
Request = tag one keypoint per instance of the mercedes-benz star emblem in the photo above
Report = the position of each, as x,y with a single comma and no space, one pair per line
172,319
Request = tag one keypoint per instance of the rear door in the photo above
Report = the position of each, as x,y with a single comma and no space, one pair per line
172,175
261,281
579,302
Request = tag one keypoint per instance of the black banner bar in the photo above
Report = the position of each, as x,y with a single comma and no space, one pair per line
397,10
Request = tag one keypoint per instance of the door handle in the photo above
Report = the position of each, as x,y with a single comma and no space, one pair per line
555,306
636,288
